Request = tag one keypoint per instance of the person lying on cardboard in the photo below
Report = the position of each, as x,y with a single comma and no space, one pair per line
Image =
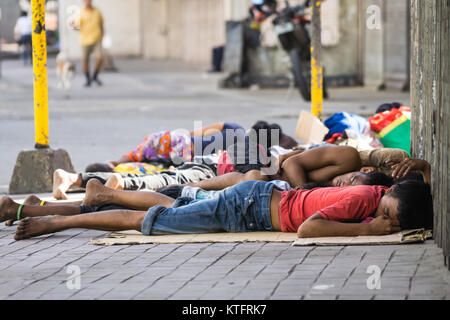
320,164
326,165
175,191
196,155
245,207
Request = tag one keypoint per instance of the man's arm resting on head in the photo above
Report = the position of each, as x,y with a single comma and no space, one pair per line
320,165
316,226
293,172
403,167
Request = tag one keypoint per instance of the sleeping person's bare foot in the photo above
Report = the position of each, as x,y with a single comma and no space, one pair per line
37,226
97,194
115,182
31,200
62,181
8,209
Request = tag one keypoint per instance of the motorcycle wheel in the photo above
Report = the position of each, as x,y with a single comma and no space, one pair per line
302,74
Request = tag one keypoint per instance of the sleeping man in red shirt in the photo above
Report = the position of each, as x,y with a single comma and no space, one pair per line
245,207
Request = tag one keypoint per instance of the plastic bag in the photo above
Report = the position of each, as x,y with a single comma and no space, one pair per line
393,128
381,120
340,122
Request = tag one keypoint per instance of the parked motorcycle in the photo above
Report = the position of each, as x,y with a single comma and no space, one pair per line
291,28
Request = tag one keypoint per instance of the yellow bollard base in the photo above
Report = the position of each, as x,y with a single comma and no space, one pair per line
33,172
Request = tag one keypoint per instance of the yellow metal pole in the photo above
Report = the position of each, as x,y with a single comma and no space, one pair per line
316,62
40,75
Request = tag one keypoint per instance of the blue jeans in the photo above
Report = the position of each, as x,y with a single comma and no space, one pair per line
200,194
242,208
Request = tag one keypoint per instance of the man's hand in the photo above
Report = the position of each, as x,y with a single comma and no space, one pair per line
402,167
382,225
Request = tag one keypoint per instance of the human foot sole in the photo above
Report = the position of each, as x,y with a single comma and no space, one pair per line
7,209
62,181
96,194
37,226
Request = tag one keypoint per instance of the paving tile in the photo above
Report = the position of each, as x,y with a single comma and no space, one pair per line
355,297
319,297
390,297
427,297
38,269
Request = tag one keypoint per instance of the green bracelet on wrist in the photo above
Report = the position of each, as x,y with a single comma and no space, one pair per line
19,211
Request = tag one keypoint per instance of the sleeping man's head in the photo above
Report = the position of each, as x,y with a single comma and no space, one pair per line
408,204
362,178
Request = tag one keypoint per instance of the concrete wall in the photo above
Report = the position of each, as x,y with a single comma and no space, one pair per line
182,30
348,45
386,45
10,12
156,29
122,27
188,30
236,9
396,43
154,15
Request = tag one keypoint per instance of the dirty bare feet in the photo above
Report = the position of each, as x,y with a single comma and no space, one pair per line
31,200
10,223
37,226
8,209
97,194
115,182
62,181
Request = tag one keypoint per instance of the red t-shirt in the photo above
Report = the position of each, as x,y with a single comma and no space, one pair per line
336,204
225,164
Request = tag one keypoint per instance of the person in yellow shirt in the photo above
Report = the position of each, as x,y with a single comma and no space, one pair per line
90,25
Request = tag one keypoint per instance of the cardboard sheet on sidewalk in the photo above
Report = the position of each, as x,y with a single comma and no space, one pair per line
403,237
133,237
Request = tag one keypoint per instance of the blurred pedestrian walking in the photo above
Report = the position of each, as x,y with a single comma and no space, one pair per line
22,32
90,25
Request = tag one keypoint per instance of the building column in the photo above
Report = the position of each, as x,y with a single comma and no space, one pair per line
430,102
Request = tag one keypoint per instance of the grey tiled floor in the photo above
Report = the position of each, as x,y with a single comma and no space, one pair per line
40,269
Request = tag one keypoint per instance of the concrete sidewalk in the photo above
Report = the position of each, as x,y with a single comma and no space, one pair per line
41,268
98,124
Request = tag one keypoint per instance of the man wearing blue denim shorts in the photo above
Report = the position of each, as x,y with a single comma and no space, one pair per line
243,208
246,207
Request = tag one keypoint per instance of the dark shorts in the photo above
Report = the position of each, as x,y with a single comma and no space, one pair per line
90,209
